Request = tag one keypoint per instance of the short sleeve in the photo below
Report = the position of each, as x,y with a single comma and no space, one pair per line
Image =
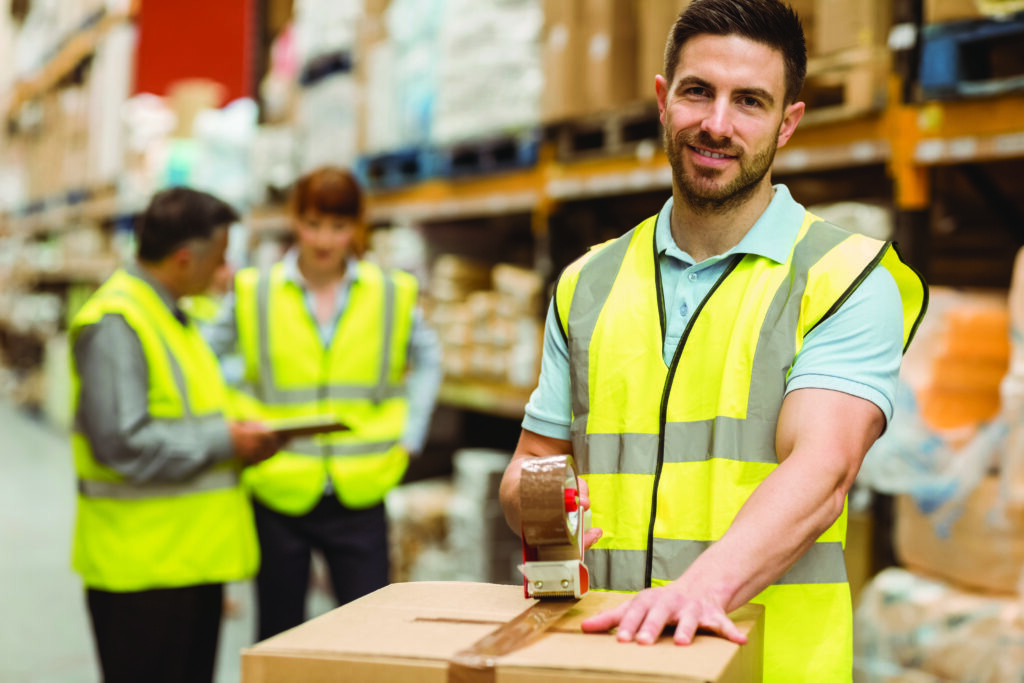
549,412
858,349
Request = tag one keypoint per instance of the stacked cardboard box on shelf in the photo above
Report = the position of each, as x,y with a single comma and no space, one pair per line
418,531
452,280
602,54
70,138
486,548
943,11
840,25
848,56
982,551
487,320
454,530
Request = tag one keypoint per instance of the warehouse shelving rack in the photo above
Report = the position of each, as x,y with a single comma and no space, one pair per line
908,139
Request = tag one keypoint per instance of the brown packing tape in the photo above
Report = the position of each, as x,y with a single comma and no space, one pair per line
476,663
542,502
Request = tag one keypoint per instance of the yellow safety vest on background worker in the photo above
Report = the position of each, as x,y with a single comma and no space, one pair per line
359,379
202,307
131,537
671,453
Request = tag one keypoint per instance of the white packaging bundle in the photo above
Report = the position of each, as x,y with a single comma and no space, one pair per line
490,80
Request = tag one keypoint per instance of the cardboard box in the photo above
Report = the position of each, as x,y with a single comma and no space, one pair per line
563,57
654,20
843,25
978,555
611,54
938,11
410,631
805,10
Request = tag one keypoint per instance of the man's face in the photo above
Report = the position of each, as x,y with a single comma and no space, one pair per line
325,240
205,261
724,119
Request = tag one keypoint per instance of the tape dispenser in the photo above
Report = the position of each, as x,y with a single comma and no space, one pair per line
553,526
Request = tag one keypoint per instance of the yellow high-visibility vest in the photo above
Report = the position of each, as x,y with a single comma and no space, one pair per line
131,537
202,307
671,453
359,379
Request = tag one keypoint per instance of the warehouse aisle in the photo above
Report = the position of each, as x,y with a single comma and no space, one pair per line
44,633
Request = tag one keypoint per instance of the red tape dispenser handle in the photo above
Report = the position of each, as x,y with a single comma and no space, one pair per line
553,525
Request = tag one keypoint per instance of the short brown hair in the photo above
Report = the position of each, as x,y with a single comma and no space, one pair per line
769,22
328,189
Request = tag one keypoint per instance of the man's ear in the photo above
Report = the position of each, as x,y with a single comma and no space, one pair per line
181,258
661,91
790,118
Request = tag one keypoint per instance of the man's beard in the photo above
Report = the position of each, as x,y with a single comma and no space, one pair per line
699,190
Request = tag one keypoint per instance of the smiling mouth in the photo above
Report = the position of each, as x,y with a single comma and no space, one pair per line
711,155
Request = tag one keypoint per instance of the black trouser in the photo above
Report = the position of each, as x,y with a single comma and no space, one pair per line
166,635
353,543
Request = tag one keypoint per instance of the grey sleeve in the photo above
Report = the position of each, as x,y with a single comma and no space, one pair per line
423,382
113,412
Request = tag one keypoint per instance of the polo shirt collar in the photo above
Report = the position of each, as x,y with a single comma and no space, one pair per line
772,236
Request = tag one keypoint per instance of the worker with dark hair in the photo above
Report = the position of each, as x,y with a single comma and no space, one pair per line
720,370
162,521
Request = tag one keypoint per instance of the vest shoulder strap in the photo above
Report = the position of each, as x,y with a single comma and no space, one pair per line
569,277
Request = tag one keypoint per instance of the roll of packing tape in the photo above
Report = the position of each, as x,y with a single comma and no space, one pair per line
549,504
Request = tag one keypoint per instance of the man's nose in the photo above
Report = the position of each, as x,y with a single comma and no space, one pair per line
718,121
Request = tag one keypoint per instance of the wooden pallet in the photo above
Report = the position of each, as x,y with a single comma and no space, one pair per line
846,84
612,133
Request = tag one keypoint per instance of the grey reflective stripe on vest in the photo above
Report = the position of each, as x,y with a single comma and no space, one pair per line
627,566
269,392
593,286
822,563
335,391
211,480
179,374
731,439
172,360
316,449
389,331
623,570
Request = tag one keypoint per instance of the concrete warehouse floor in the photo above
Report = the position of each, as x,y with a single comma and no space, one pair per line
44,626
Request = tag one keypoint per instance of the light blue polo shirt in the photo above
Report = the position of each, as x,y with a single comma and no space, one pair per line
856,351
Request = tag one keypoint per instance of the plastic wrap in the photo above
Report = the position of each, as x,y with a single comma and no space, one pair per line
910,628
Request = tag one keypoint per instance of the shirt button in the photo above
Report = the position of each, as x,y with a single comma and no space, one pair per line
684,310
693,277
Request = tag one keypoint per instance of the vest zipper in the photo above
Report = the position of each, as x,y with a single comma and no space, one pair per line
663,413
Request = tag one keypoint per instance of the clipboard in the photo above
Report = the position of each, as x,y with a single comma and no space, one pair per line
291,428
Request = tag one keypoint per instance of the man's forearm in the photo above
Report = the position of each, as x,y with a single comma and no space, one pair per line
774,528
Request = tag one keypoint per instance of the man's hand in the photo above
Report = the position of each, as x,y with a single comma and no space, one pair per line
645,616
253,442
